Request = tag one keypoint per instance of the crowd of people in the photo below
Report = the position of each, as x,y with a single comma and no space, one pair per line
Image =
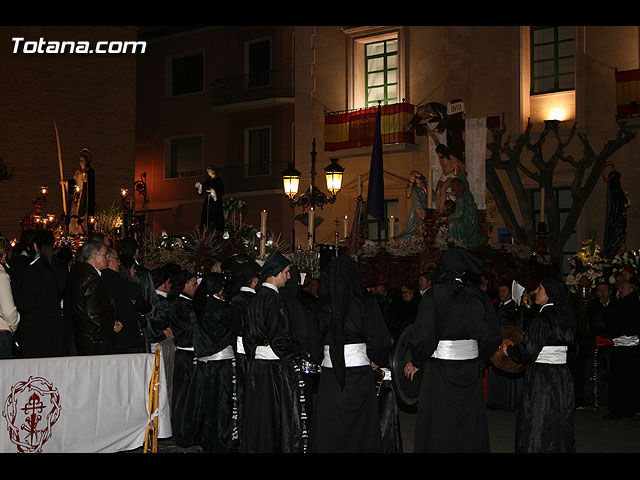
266,359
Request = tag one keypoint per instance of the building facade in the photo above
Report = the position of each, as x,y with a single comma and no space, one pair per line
221,96
91,98
510,73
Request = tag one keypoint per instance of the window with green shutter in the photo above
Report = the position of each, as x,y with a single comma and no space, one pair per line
552,59
381,72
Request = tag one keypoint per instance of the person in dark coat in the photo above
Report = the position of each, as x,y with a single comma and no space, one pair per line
274,419
181,321
88,303
212,216
623,329
127,298
41,331
504,389
545,418
22,255
601,344
355,340
209,420
158,319
456,331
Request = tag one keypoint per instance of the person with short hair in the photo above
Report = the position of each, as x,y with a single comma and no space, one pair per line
273,410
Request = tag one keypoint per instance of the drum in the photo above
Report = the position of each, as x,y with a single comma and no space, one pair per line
506,363
407,390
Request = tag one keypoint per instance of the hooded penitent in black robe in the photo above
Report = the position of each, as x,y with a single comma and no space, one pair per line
623,328
545,419
346,416
273,411
451,413
209,416
181,320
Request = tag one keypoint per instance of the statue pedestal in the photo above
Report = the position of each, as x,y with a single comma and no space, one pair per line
429,231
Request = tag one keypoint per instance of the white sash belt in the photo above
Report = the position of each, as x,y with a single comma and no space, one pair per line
626,341
224,354
553,354
188,349
239,345
355,355
265,353
456,350
387,373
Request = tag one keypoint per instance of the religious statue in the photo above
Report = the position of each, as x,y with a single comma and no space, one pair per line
464,221
417,191
212,216
616,216
451,168
81,190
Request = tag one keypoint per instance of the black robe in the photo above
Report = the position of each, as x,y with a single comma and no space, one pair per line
624,372
545,419
212,215
273,405
210,402
451,413
181,320
504,389
347,420
41,331
599,354
239,305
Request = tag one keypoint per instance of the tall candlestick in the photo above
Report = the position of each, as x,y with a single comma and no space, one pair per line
392,227
542,205
263,232
311,225
359,185
429,188
346,226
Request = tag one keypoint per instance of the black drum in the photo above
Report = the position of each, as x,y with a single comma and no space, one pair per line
407,390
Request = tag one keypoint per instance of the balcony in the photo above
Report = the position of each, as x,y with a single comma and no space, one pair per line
252,178
254,91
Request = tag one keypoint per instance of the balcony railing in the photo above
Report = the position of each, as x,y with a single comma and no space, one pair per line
252,178
249,88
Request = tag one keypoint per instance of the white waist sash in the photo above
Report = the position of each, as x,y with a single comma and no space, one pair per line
224,354
387,373
355,355
626,341
456,350
188,349
239,345
265,353
553,354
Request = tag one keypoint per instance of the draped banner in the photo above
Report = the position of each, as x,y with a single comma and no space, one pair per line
357,128
628,93
81,404
475,153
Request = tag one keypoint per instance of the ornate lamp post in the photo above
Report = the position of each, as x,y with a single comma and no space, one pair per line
312,196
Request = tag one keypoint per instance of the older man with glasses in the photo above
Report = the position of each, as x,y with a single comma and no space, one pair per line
90,307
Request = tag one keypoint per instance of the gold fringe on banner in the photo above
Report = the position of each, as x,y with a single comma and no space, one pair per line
152,427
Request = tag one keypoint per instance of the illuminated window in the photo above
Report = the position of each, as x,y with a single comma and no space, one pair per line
552,59
183,157
381,66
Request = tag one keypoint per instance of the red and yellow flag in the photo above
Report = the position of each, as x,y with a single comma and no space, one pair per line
357,128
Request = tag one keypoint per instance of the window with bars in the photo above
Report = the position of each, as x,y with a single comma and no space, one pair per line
373,232
552,59
381,72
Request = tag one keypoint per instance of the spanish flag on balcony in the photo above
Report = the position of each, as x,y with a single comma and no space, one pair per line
628,93
356,128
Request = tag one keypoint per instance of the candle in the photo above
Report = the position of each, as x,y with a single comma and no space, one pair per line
311,225
542,205
392,227
429,188
346,226
263,232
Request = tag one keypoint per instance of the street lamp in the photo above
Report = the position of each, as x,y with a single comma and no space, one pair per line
312,197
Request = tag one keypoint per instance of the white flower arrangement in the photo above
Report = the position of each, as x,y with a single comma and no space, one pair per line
627,259
587,266
406,246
